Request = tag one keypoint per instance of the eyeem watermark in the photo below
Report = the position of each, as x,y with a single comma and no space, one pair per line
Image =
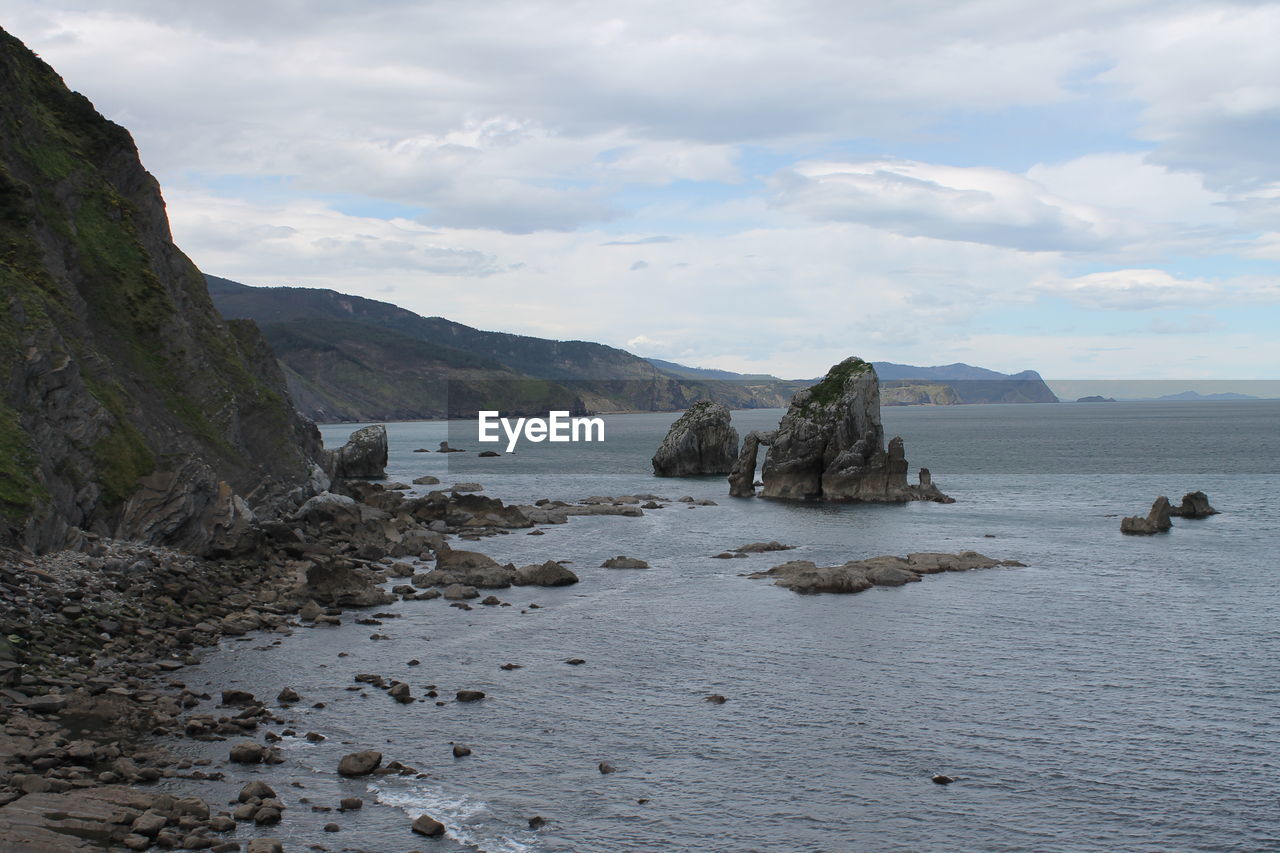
560,426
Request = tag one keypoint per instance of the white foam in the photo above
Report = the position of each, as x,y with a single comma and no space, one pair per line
463,817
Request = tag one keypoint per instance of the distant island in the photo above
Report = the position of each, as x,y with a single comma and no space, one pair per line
1194,397
1096,399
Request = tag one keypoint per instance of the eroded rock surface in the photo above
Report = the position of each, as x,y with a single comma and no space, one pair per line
701,441
804,576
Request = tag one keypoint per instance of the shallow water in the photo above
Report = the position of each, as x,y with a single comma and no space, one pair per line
1119,693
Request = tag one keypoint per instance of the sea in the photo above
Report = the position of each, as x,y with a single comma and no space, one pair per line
1118,693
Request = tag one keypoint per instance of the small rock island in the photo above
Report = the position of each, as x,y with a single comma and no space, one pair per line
830,447
701,441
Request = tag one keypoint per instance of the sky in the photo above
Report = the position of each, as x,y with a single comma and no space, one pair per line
1090,190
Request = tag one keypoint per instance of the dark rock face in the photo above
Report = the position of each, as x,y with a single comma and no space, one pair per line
701,441
128,407
364,456
830,446
360,763
1157,521
1194,505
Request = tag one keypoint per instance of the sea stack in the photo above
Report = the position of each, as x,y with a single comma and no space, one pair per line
830,446
700,442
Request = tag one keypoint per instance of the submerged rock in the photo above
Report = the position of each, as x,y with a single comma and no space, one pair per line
1157,521
701,441
830,446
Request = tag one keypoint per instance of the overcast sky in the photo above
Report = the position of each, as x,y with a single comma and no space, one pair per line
1089,189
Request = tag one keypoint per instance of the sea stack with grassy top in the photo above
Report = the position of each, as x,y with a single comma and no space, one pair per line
830,446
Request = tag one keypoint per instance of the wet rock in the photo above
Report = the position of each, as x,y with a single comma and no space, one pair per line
332,827
351,804
488,454
940,779
238,698
1157,520
426,481
575,661
360,763
1194,505
459,592
265,845
621,562
460,751
605,767
803,576
248,752
288,696
428,826
715,699
470,695
311,611
762,547
256,790
400,693
701,441
549,573
467,487
266,816
537,822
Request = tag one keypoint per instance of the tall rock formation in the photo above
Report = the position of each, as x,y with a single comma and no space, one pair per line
701,441
830,446
128,407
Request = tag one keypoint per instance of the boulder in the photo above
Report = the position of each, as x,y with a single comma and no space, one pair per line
364,456
426,480
248,752
428,826
549,573
701,441
830,446
328,509
1194,505
621,562
1157,521
359,763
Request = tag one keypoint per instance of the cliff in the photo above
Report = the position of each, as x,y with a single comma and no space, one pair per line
355,359
129,408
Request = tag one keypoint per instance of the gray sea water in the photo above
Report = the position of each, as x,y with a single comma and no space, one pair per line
1119,693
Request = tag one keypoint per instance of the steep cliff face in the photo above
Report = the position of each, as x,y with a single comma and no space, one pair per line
830,446
128,407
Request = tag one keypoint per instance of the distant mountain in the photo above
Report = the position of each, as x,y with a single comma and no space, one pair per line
1194,397
954,384
684,372
353,359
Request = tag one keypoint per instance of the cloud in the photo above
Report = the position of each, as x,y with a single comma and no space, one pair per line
1141,289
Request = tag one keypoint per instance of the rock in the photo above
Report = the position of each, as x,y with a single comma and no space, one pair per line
491,600
359,763
458,592
1157,521
329,510
939,779
1194,505
537,822
742,475
48,703
351,804
238,698
701,441
332,827
470,695
248,752
762,547
256,790
575,661
311,611
266,816
265,845
428,826
803,576
549,573
426,480
621,562
715,699
488,453
467,487
341,584
287,696
460,751
149,823
364,456
400,693
605,767
830,446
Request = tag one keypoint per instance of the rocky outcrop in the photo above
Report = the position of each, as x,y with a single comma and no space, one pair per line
1157,521
830,446
804,576
1194,505
363,457
701,441
128,407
